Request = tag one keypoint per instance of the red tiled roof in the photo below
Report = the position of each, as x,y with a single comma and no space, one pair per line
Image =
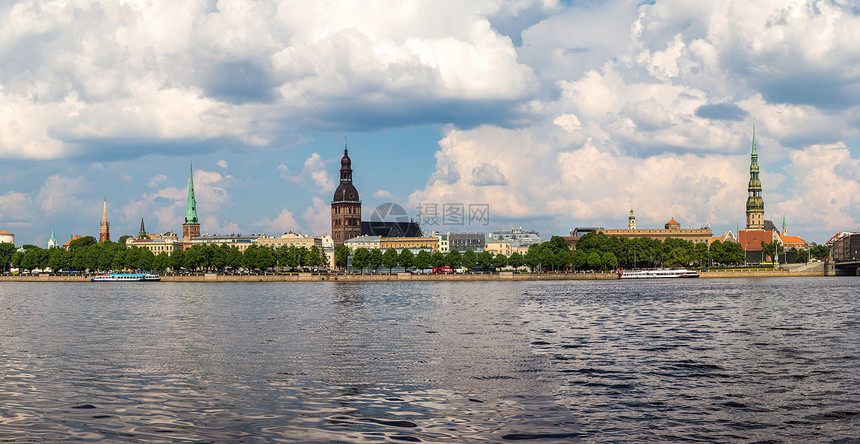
792,240
4,232
672,221
70,240
752,239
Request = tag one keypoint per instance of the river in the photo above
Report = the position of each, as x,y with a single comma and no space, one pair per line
732,360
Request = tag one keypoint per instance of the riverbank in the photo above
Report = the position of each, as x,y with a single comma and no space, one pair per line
400,277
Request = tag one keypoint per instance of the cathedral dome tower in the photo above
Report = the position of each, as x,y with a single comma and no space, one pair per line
345,205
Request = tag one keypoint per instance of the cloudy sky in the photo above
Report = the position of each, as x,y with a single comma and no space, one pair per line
555,114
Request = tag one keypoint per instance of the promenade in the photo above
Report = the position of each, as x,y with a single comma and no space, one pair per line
402,277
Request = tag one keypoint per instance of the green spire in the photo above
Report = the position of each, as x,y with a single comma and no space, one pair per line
191,206
53,236
783,224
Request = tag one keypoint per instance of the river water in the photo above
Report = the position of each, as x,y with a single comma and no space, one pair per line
731,360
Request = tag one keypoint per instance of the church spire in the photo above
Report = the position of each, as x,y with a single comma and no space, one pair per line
52,243
104,228
755,203
191,204
191,227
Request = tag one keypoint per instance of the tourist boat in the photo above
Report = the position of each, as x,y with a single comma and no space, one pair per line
123,277
657,274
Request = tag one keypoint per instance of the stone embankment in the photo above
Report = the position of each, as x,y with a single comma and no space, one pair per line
788,271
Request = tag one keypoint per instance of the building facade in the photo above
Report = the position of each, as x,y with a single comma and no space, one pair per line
157,245
413,244
467,241
366,242
6,237
670,229
345,205
233,240
846,248
291,240
191,227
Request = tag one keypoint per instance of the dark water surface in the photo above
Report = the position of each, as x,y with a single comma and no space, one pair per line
733,360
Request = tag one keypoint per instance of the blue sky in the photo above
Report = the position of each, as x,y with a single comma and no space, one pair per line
555,114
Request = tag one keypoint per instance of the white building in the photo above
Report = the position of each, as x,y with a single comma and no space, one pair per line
7,237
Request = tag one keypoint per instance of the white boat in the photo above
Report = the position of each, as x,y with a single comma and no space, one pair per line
658,274
129,277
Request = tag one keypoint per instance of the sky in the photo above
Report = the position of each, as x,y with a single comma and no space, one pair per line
548,115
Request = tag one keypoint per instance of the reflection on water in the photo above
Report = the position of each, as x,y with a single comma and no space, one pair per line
711,360
355,362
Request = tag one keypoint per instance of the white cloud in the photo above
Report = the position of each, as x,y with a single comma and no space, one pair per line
60,194
314,175
15,206
284,222
222,163
155,181
318,217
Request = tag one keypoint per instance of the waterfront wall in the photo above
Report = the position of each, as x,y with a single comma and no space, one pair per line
403,277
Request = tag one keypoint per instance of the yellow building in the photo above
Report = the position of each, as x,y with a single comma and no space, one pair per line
671,229
414,244
505,247
291,240
156,246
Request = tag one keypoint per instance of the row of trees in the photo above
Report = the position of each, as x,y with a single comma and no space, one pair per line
552,255
87,254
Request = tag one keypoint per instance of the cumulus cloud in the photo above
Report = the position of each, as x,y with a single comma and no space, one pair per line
313,176
15,206
282,223
486,174
317,217
60,193
109,80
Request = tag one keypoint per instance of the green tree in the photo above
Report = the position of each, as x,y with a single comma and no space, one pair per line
161,262
579,259
406,258
594,261
122,239
819,251
485,259
390,259
469,259
801,256
516,260
454,259
423,259
678,257
608,260
437,259
234,257
177,259
376,259
6,253
500,261
563,258
81,242
360,259
341,255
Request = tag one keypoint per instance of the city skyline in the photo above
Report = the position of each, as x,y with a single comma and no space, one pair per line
556,114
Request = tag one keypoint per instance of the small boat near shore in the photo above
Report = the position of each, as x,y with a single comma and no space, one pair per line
126,277
658,274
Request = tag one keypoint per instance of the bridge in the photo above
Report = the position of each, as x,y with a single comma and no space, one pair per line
848,268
